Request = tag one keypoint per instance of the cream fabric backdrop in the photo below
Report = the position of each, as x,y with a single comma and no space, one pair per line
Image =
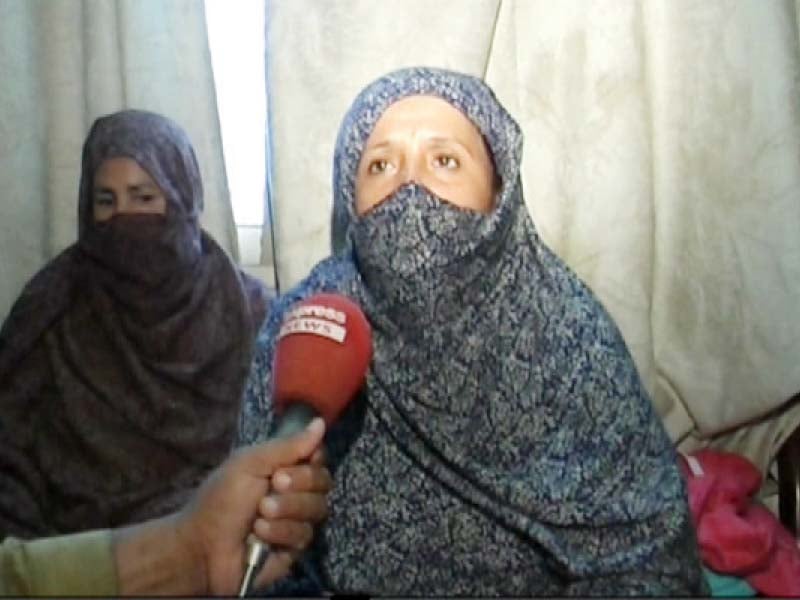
62,64
662,162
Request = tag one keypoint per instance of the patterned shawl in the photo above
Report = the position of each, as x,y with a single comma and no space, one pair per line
503,444
123,362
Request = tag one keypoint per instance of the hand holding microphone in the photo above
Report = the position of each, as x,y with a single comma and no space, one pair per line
321,358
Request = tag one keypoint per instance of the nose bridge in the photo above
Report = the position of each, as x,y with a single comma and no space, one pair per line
123,204
409,172
413,163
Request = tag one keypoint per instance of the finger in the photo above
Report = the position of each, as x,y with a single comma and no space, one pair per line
320,457
300,506
284,533
263,459
278,564
302,478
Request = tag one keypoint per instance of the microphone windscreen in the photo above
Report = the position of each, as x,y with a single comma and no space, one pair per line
322,355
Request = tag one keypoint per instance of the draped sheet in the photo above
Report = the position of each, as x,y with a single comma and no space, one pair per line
662,163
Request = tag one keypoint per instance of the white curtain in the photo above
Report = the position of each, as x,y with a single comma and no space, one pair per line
65,62
661,162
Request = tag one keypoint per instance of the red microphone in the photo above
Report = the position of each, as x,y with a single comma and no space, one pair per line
321,359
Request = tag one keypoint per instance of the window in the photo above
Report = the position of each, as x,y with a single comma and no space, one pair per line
236,41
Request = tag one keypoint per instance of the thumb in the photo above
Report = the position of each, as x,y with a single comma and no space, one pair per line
264,459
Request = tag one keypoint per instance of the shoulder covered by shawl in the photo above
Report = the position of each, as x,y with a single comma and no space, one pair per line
333,274
40,302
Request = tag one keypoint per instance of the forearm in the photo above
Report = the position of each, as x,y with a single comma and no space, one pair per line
153,559
71,565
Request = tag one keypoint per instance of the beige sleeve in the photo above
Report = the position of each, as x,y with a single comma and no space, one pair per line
70,565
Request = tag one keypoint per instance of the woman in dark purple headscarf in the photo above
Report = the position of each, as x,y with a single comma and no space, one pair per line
123,361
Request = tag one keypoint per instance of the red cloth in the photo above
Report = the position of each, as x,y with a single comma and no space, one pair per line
736,535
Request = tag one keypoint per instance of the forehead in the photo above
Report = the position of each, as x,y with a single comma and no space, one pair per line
428,113
121,169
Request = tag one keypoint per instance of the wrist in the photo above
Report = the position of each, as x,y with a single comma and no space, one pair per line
194,552
158,558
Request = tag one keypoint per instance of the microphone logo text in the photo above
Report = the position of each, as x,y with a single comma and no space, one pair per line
316,320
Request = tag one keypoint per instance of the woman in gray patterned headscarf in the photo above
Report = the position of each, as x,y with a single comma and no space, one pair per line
123,361
503,443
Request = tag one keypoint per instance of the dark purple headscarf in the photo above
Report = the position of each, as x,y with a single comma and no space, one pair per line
123,361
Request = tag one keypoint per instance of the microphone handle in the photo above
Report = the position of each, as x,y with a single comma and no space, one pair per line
296,418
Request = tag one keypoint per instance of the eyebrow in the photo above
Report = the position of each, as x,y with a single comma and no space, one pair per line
434,140
378,146
137,187
438,140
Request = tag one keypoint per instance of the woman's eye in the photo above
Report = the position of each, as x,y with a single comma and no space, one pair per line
103,201
445,161
147,198
376,167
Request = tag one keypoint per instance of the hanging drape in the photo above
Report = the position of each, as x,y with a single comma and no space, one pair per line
62,64
661,162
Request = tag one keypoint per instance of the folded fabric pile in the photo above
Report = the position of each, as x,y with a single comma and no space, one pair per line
737,535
